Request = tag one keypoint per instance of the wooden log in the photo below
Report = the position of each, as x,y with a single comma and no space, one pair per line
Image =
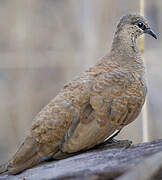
108,161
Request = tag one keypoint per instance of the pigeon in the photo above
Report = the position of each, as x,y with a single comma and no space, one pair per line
90,108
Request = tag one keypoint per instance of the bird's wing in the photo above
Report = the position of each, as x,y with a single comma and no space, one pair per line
53,121
101,117
84,135
49,128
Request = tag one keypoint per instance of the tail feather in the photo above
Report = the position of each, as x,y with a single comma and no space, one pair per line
27,149
2,168
9,169
28,155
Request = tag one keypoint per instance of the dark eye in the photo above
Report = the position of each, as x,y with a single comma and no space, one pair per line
141,25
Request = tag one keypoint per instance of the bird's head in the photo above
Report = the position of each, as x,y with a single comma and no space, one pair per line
134,25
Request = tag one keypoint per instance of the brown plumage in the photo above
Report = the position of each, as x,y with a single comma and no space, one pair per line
103,99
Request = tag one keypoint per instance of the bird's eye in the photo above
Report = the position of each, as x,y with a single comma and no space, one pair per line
141,25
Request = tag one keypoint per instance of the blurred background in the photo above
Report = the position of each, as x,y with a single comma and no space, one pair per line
45,43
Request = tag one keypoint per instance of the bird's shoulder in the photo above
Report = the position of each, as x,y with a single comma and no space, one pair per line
111,76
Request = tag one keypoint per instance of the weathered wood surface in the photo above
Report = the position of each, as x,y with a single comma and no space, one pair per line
105,162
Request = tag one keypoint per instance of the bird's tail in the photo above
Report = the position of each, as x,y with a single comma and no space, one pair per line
28,155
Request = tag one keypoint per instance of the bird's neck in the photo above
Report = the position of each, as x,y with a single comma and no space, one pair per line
125,51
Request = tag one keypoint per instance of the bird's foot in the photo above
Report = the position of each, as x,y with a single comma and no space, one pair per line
114,143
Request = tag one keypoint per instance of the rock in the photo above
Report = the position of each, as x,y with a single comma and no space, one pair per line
107,161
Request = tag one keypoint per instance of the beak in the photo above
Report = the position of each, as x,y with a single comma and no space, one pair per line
149,31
